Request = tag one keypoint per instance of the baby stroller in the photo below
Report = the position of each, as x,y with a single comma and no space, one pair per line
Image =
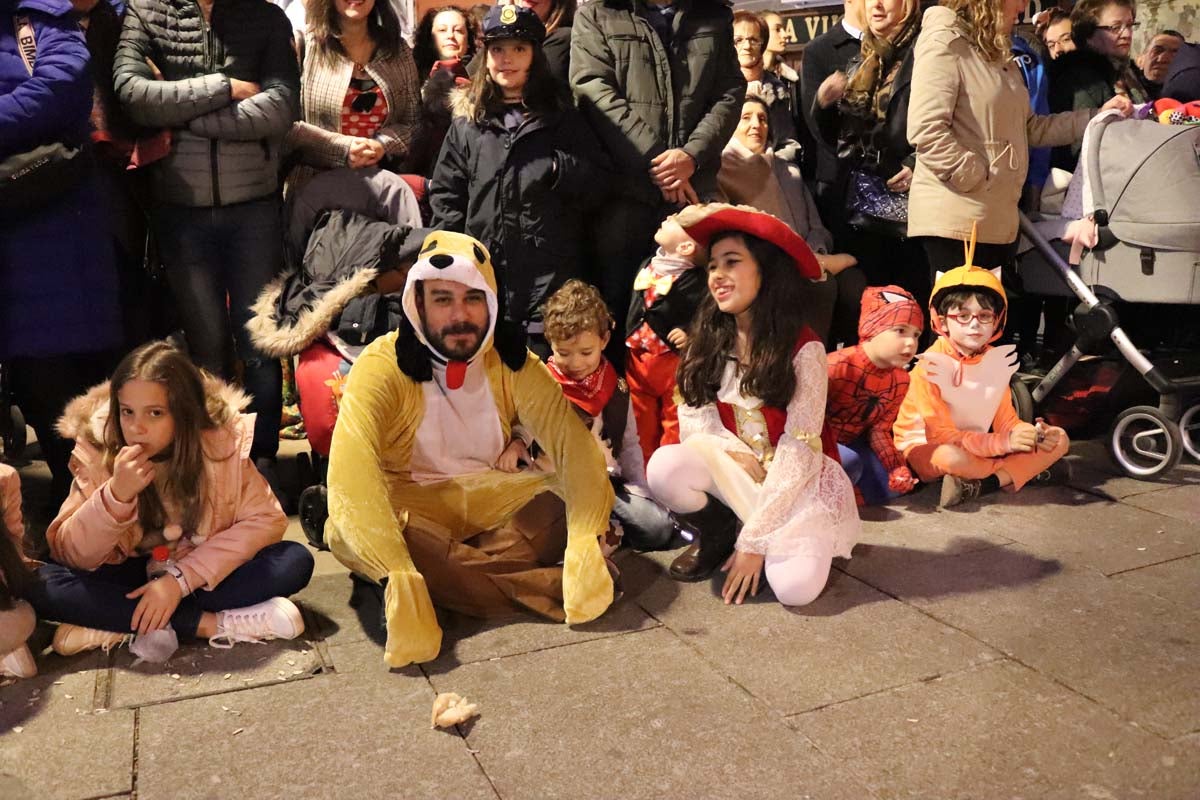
1145,183
351,236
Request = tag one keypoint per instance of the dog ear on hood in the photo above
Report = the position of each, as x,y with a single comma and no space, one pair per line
509,341
412,356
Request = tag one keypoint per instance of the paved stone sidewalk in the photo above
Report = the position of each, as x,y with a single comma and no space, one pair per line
1039,646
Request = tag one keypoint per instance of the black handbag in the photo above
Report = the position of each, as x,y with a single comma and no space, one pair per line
871,206
34,178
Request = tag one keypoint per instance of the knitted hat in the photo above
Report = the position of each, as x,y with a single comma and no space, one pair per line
885,307
702,222
513,22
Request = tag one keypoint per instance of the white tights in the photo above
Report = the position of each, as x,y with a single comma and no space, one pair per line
681,479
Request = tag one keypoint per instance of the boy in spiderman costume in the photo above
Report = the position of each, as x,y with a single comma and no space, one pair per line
867,383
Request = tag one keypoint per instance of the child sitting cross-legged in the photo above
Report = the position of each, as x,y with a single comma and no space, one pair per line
867,383
578,326
957,421
161,465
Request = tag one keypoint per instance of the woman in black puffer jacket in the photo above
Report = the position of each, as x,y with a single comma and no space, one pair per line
518,170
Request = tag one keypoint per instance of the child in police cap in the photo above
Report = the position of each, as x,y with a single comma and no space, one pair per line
518,170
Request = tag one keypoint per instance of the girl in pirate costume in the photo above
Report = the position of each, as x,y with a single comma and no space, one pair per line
756,475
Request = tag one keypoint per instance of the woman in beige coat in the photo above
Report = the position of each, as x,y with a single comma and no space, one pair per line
970,121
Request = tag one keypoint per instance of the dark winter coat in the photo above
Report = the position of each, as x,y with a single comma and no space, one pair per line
881,149
557,48
222,151
346,229
830,52
1183,78
58,284
523,194
1079,79
642,98
675,309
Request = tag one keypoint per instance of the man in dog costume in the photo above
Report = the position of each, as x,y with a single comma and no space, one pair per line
415,500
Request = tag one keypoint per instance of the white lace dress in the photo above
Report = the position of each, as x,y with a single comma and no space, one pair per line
806,504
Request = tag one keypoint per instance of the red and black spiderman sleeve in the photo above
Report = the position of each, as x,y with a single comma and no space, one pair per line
890,391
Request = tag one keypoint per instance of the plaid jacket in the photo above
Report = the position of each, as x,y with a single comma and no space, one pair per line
316,140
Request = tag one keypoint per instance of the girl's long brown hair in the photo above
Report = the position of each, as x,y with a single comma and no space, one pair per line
161,363
541,92
776,321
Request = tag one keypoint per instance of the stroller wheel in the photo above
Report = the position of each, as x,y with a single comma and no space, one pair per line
1189,431
305,474
1022,399
1144,442
313,511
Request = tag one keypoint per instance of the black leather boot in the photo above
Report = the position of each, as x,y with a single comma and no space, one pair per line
716,528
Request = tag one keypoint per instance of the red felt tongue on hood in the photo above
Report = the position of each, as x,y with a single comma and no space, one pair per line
456,373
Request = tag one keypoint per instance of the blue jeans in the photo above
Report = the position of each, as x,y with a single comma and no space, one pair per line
866,471
217,262
97,599
647,525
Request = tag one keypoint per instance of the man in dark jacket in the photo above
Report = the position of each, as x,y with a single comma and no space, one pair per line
661,87
1183,79
222,75
828,53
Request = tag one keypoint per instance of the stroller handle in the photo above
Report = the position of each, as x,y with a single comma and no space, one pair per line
1093,169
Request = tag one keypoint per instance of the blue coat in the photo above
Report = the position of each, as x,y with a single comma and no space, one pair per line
1033,70
58,281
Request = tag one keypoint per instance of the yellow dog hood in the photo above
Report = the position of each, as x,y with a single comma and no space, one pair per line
449,256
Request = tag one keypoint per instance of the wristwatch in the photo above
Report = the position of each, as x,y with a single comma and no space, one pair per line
175,572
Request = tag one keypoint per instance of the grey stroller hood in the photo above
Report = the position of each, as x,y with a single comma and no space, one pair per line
1150,183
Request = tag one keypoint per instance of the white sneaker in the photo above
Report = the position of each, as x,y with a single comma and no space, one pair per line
277,618
72,639
18,664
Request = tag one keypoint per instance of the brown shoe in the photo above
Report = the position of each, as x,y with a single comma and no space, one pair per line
716,528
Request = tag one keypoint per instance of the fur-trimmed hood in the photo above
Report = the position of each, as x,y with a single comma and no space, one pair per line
346,253
85,417
460,102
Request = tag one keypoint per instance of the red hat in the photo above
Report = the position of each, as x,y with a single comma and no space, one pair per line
702,222
885,307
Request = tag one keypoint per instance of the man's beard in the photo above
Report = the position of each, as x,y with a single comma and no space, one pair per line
459,352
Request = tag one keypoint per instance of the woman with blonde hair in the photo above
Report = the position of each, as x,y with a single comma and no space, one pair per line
970,121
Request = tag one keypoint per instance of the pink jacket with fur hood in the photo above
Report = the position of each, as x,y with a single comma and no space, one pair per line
239,513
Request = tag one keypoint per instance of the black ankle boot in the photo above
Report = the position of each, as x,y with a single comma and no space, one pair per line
716,528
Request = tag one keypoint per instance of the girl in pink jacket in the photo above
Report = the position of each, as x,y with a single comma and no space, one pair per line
161,468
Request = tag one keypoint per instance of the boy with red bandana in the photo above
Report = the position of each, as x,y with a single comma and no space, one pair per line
867,383
578,326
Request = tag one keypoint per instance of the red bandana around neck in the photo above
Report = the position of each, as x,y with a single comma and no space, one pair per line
590,394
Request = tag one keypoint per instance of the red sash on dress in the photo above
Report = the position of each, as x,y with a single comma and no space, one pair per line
776,418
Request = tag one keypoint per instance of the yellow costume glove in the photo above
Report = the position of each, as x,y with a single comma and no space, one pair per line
587,584
413,634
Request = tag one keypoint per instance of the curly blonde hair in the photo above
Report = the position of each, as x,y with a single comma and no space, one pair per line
574,309
984,22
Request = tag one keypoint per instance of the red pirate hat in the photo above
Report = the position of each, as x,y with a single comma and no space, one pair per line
702,222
